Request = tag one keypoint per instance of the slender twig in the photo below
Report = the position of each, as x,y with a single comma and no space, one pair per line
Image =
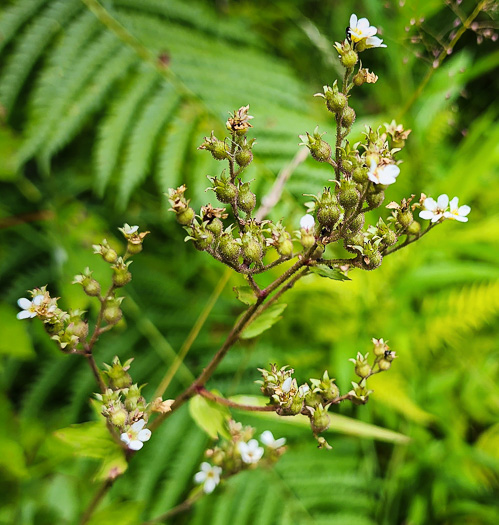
444,53
410,240
192,335
232,404
253,285
181,507
96,500
96,371
273,197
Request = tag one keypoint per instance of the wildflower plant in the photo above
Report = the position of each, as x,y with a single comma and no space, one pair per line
237,234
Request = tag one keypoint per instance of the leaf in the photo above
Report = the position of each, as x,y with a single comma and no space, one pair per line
330,273
245,294
263,322
15,340
92,439
210,416
122,512
339,424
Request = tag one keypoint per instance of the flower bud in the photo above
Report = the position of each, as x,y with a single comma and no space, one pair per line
118,374
327,216
244,157
246,199
348,117
372,259
252,249
360,175
319,149
357,223
215,227
203,238
355,239
107,253
348,194
121,275
218,148
285,248
362,367
384,364
228,248
320,419
375,200
112,313
185,217
404,218
389,238
349,59
414,228
119,417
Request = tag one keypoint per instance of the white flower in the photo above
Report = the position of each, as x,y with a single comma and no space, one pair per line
208,475
129,230
457,213
136,435
307,222
267,438
383,174
434,211
374,41
360,29
286,386
29,308
250,452
303,390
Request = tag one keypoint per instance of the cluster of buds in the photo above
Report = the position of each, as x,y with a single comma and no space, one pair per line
242,242
241,452
68,329
314,400
124,406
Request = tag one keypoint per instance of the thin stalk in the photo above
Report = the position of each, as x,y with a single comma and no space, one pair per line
165,382
232,404
104,488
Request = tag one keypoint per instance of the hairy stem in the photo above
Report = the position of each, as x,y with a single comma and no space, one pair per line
232,404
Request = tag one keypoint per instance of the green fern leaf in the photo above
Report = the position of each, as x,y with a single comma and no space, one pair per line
115,126
143,140
30,47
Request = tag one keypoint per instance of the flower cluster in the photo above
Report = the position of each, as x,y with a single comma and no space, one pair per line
443,209
241,452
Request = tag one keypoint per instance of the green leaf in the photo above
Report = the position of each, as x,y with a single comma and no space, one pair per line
339,424
122,512
15,340
330,273
92,439
245,294
210,416
264,322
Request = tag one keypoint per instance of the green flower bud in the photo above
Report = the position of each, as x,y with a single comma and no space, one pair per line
375,200
348,194
203,239
327,216
252,250
229,249
356,239
349,58
404,218
121,277
218,148
119,417
384,364
360,175
357,223
319,149
185,217
307,239
373,260
215,227
336,102
390,238
320,419
285,248
92,288
112,313
244,157
246,199
348,117
414,228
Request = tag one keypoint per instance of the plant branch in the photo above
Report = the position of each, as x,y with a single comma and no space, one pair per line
104,488
410,240
232,404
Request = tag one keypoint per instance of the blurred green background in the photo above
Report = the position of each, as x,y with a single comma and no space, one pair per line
98,122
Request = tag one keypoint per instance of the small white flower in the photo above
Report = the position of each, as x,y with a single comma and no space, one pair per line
286,386
374,41
434,210
457,213
250,452
383,174
129,230
136,435
267,438
209,475
29,308
360,29
303,390
307,222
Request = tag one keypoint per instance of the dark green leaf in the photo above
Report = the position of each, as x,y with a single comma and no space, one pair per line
264,321
330,273
210,416
245,294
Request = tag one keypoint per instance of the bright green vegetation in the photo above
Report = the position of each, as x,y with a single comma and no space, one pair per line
98,126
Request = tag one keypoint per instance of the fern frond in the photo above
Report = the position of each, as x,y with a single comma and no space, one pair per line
143,140
90,101
75,80
115,126
174,148
14,17
30,47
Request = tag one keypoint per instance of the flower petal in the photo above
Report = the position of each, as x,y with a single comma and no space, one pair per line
267,438
144,435
138,425
353,20
124,437
135,444
454,203
279,442
426,215
38,300
443,201
25,315
209,485
24,303
464,210
199,477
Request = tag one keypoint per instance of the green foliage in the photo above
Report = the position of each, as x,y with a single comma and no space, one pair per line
72,89
210,416
264,321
